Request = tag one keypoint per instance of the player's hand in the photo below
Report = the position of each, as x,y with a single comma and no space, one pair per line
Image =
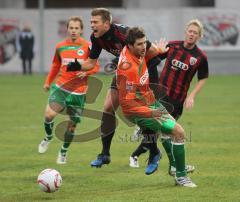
74,66
81,75
46,87
162,46
189,102
157,113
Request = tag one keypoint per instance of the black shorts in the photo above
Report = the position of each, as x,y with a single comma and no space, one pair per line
114,83
174,107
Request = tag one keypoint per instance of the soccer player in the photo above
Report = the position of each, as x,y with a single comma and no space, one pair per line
139,104
183,60
68,94
112,38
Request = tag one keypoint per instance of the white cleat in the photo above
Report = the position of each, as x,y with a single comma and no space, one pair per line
185,182
61,158
188,168
133,162
43,146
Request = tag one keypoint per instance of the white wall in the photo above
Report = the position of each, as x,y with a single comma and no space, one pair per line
227,4
12,4
155,4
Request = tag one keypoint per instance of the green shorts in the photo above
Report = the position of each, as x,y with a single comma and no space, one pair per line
164,124
72,104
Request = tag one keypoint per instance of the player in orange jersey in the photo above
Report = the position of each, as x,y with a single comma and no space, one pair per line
140,106
68,93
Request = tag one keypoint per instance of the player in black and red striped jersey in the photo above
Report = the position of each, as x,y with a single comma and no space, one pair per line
112,38
183,60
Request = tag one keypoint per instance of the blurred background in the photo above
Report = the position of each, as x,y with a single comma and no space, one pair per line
160,18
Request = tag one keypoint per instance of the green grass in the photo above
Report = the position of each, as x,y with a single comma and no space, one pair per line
214,125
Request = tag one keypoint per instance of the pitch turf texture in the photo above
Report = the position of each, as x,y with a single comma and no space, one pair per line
213,146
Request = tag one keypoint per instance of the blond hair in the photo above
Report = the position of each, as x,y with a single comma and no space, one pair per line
75,19
197,23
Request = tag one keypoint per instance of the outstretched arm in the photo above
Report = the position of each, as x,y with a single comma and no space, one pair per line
157,48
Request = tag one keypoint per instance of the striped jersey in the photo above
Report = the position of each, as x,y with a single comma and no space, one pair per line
112,41
180,67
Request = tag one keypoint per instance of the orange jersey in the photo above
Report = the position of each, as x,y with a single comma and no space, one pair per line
135,96
66,52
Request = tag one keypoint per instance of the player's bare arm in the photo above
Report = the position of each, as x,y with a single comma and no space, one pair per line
189,102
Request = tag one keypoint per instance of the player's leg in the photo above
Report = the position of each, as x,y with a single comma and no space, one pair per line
178,149
75,105
108,125
24,65
154,152
150,126
30,66
175,108
56,102
48,126
68,137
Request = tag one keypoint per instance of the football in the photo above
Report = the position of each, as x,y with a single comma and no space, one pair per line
49,180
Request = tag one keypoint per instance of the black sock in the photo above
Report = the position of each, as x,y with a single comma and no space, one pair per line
107,131
140,150
106,143
152,142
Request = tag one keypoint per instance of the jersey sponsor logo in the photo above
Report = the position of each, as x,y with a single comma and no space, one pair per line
193,60
176,64
129,85
65,61
80,52
144,78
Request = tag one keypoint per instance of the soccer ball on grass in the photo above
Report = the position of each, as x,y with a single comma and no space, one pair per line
49,180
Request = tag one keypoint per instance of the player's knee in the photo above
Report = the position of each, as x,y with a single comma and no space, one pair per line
49,116
178,133
108,108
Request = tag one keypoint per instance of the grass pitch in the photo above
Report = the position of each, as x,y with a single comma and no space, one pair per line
212,132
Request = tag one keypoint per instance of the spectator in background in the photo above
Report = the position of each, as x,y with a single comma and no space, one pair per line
25,46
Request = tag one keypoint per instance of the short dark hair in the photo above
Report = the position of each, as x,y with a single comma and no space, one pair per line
104,13
75,19
133,34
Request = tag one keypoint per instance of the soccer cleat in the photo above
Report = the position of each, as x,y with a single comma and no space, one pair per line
184,181
133,162
61,158
188,168
137,133
43,146
101,160
153,163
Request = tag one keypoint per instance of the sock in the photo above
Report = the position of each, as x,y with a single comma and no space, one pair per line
140,150
106,143
68,137
48,129
107,131
152,144
179,155
167,145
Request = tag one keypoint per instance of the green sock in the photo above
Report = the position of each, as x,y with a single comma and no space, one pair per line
68,137
48,129
179,155
167,144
